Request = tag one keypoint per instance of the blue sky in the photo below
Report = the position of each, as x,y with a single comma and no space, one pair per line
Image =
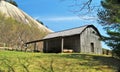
57,14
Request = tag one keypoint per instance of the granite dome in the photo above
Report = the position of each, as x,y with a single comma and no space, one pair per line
14,12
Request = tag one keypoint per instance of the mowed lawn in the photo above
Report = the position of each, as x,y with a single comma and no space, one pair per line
11,61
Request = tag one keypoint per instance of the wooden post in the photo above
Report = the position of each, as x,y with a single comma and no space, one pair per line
4,44
80,44
46,46
62,44
35,47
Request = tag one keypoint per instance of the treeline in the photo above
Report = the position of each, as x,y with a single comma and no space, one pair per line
14,34
106,51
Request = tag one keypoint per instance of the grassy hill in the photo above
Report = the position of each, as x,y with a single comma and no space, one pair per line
11,61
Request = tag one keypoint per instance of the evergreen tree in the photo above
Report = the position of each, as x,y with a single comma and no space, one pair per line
111,12
109,17
12,2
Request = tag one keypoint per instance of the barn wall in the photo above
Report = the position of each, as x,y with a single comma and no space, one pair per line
88,38
52,45
72,42
39,46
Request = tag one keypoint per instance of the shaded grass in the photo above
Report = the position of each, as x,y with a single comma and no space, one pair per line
11,61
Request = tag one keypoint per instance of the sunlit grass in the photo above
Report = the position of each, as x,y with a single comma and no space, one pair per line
11,61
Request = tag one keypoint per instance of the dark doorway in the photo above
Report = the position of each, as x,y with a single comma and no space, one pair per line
92,47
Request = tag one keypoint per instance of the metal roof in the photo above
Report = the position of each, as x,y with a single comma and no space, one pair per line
69,32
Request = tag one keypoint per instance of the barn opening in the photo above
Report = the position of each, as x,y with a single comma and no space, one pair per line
72,43
92,47
61,44
52,45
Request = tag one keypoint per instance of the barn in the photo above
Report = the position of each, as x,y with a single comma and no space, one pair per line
84,39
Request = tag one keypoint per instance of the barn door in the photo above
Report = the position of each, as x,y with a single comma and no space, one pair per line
92,47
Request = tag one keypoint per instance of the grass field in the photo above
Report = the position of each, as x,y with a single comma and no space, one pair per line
11,61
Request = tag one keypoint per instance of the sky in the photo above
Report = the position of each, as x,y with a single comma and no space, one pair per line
60,15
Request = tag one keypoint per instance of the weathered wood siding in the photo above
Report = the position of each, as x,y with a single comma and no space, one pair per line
72,42
39,46
90,37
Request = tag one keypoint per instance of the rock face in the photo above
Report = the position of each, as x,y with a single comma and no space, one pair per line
12,11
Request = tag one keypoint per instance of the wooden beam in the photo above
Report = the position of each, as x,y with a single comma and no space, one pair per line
62,44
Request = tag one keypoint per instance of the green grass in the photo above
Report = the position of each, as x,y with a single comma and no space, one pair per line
11,61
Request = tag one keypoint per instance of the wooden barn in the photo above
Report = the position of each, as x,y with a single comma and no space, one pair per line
85,39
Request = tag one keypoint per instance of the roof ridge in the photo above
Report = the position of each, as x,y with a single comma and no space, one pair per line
71,28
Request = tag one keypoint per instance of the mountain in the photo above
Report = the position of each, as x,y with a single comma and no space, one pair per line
14,12
17,27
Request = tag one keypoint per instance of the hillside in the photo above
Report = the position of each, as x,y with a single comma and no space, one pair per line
17,27
14,12
14,34
39,62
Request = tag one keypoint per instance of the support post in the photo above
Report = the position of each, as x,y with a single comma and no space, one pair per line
62,44
46,46
4,44
35,47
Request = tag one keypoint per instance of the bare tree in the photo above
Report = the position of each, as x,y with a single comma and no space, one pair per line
82,7
15,34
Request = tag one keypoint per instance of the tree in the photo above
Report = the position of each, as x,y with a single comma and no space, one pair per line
109,17
81,7
111,12
14,34
12,2
113,40
40,21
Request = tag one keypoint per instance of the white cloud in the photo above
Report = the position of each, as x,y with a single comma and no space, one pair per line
67,18
37,17
63,18
88,17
